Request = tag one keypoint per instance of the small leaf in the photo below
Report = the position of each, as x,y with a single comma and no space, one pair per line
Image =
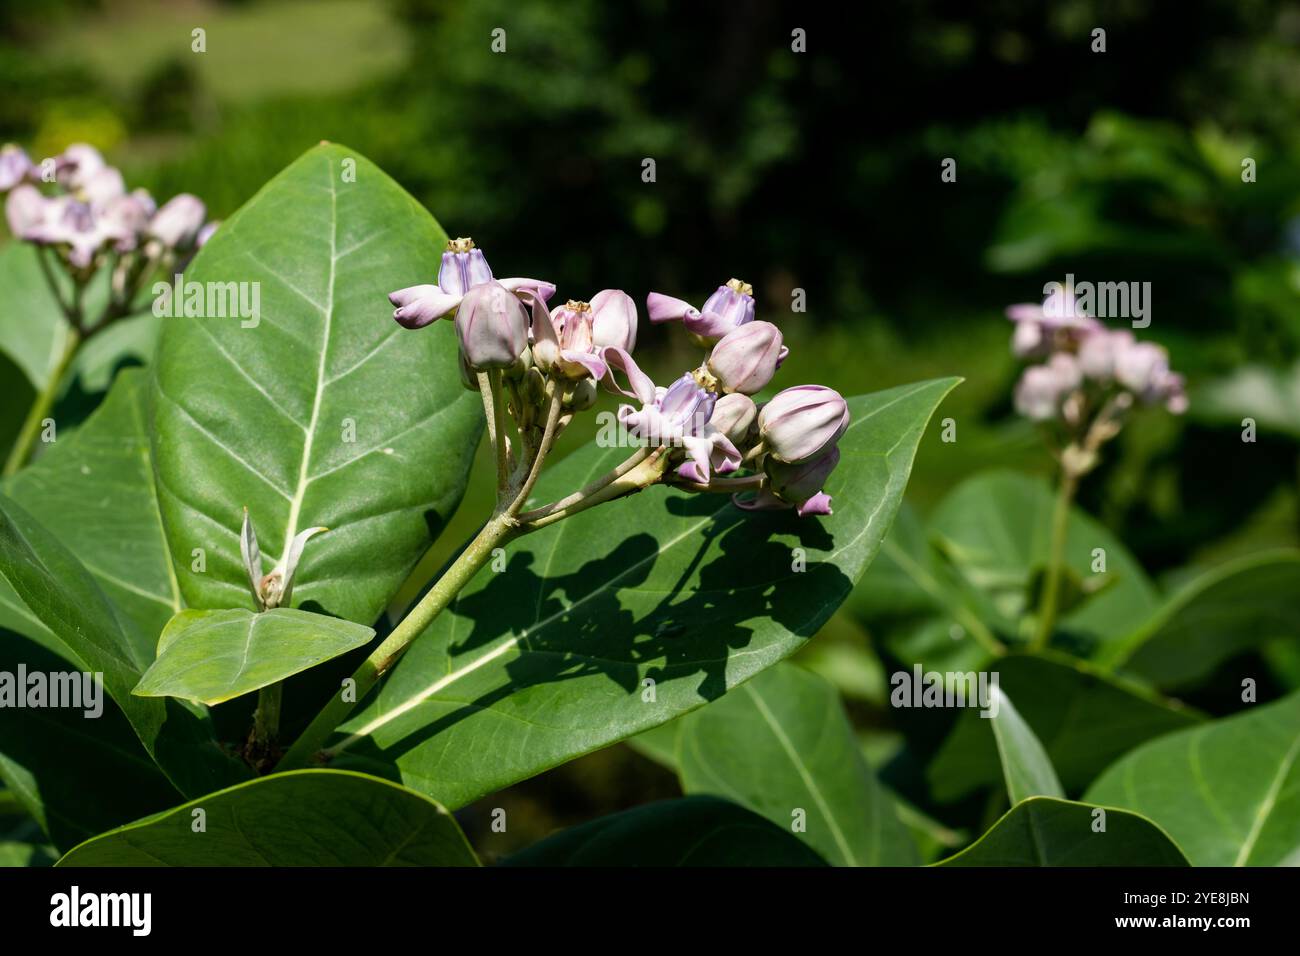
1045,831
693,831
1227,791
303,818
782,746
1025,764
212,656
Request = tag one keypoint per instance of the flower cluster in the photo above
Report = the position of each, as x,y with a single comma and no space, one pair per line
698,432
88,213
1085,365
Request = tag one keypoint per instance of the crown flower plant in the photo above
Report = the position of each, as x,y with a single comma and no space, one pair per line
1084,382
257,586
76,210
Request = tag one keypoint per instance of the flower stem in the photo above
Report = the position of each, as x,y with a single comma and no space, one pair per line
1056,556
590,488
42,405
500,529
543,449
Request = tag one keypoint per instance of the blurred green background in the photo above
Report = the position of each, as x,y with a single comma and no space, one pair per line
817,171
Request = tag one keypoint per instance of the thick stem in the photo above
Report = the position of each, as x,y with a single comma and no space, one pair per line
266,719
41,406
495,533
1056,557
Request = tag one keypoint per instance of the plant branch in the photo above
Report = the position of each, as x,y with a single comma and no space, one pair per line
495,533
41,405
590,488
549,433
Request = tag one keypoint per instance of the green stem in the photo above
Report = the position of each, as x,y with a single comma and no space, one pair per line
266,719
1056,556
41,406
590,488
543,449
500,529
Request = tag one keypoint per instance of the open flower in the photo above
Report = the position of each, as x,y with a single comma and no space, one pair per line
676,417
730,307
570,341
463,267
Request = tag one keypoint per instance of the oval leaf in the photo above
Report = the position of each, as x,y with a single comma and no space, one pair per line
782,746
1044,831
293,413
547,661
303,818
211,656
1228,791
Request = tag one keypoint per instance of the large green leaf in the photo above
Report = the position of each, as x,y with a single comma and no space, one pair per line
75,775
1230,609
211,656
1045,831
1084,718
1269,396
1228,791
550,659
782,746
1025,764
303,818
52,588
94,490
996,527
324,413
693,831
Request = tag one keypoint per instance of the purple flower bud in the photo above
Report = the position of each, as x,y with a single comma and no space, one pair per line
15,166
802,423
125,217
797,484
734,415
463,267
26,210
746,358
613,316
1142,367
177,223
103,186
1043,388
492,325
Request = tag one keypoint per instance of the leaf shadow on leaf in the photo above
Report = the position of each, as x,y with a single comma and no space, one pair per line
692,628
